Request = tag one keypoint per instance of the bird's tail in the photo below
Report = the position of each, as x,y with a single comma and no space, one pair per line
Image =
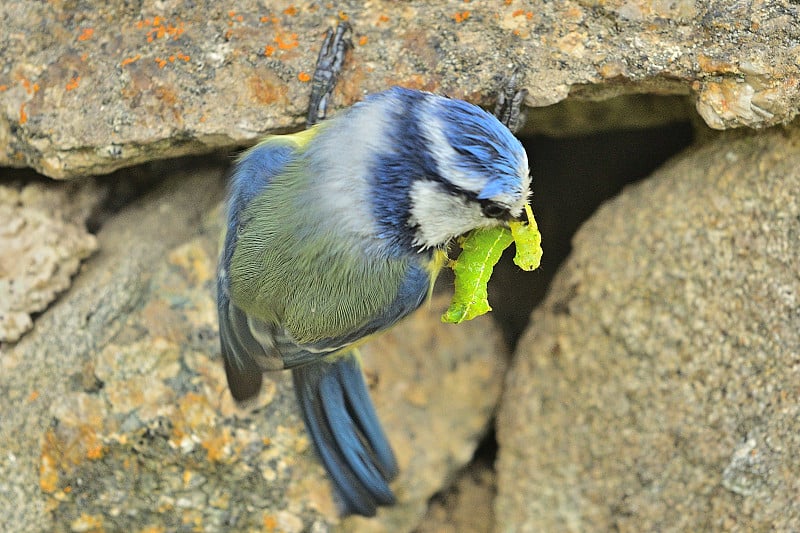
348,437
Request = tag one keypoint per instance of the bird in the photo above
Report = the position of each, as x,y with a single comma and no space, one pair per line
337,232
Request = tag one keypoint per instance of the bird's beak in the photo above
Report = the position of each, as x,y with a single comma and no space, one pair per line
521,217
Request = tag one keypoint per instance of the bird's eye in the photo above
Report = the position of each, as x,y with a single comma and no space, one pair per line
494,211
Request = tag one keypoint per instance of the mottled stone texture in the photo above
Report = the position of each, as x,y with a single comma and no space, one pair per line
657,388
43,239
122,420
91,87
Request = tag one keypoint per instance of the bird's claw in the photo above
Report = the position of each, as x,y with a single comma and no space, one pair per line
509,101
329,64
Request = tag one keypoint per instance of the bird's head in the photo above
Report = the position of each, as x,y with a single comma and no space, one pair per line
458,167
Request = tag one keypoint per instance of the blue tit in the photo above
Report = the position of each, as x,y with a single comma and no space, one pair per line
336,233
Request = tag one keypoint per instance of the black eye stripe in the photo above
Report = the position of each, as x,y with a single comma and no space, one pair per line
489,208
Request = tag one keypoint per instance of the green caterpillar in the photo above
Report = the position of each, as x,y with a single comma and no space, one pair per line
480,251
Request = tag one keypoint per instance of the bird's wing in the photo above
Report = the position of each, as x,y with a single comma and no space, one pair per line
251,346
245,355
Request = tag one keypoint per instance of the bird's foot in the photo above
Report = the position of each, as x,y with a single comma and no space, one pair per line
509,101
329,65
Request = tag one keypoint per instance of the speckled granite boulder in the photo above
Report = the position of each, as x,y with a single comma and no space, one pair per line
656,389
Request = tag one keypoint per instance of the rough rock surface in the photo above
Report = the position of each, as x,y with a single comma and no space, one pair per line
466,507
122,417
656,389
91,87
43,239
58,358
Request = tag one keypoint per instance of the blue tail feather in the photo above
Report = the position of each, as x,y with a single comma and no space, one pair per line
346,433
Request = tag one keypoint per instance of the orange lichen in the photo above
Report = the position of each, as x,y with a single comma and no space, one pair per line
383,19
231,14
529,15
48,465
269,50
362,40
161,62
291,11
33,396
518,13
95,451
3,88
158,29
23,116
48,476
73,83
30,88
218,447
89,441
461,16
286,44
270,522
86,34
184,57
264,19
715,65
343,15
304,77
128,60
87,522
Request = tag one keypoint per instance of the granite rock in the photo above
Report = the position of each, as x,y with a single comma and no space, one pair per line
656,389
466,507
86,88
43,238
52,365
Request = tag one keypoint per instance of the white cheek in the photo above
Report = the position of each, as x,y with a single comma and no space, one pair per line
440,216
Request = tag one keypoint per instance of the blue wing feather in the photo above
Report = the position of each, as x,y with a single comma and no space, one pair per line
240,348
